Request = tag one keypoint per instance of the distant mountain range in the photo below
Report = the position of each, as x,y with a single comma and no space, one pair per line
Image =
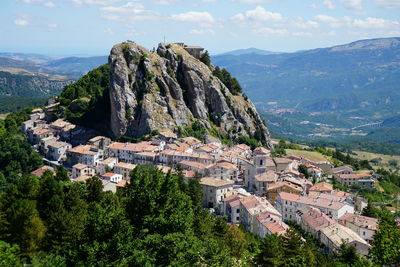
39,76
357,83
246,51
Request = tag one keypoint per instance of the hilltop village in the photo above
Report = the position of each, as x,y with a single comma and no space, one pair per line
249,187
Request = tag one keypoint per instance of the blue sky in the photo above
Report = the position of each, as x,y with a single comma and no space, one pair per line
91,27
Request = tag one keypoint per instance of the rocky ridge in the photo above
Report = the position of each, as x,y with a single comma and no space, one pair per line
169,88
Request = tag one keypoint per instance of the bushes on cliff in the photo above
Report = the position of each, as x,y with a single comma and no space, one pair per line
229,81
87,100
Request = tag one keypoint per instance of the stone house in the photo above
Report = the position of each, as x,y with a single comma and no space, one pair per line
124,169
362,225
215,190
82,170
85,154
57,150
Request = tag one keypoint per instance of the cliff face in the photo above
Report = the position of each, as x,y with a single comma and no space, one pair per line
170,88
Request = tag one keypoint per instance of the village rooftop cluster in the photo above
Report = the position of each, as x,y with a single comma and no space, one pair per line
250,187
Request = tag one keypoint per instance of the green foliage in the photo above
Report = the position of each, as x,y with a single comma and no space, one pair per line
9,255
370,210
28,87
16,155
205,58
197,130
303,170
230,82
87,101
385,245
251,142
12,104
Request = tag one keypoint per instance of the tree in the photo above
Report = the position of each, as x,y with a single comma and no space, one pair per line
271,251
205,58
385,244
9,255
370,210
236,241
303,169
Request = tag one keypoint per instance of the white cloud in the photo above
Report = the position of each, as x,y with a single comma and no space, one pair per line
108,31
21,22
329,4
253,2
302,34
165,2
374,23
326,18
267,31
202,32
128,12
353,4
259,14
256,2
303,24
29,1
49,4
52,27
313,6
388,3
194,17
208,1
94,2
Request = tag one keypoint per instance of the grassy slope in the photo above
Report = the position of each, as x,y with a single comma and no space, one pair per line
3,116
311,155
369,156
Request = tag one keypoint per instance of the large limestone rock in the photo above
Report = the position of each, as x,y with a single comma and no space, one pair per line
170,88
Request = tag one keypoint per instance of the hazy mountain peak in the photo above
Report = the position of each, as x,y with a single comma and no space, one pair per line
250,50
370,44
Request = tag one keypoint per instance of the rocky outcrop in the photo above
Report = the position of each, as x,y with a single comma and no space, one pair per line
168,89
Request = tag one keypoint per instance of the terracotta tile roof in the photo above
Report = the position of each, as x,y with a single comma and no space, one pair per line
225,165
108,161
337,233
79,166
315,218
293,157
215,182
194,164
84,150
282,161
321,187
191,140
281,184
354,176
261,150
122,183
58,144
288,196
360,221
134,147
269,176
342,168
316,202
43,131
41,170
189,174
109,174
125,165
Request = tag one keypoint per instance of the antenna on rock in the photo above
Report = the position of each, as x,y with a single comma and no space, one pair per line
164,39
